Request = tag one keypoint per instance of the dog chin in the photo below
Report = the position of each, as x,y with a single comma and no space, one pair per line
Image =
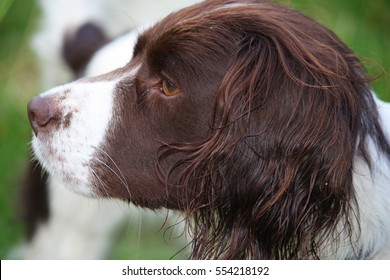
74,177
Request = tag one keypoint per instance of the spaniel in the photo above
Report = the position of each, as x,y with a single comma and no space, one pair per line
60,224
253,120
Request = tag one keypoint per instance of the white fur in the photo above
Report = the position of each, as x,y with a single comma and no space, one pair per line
115,55
78,228
372,189
115,17
373,199
91,107
384,112
82,228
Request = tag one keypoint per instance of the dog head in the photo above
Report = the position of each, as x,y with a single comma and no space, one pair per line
247,115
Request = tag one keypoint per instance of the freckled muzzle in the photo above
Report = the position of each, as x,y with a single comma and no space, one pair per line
70,123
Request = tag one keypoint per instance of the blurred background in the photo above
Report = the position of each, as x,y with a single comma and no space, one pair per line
364,25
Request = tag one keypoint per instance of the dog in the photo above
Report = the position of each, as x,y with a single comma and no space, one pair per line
81,38
251,119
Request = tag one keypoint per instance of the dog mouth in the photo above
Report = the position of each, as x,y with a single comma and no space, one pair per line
62,163
69,124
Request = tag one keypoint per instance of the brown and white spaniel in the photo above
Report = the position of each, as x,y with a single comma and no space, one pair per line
252,119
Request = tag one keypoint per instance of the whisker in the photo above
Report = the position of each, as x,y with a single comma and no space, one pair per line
103,185
120,176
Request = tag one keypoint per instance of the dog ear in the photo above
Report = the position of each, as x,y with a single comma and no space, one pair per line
276,173
80,45
291,155
274,177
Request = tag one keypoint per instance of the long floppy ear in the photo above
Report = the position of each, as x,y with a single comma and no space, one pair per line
289,165
274,177
276,174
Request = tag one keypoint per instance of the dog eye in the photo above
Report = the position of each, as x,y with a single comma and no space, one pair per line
169,88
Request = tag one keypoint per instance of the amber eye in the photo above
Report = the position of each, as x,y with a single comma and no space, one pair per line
169,88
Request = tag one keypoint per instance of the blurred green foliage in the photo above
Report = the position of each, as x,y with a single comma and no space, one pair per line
18,81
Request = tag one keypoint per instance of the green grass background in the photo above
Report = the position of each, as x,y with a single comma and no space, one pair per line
362,24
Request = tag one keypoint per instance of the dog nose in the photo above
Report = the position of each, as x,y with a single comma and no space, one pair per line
40,114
